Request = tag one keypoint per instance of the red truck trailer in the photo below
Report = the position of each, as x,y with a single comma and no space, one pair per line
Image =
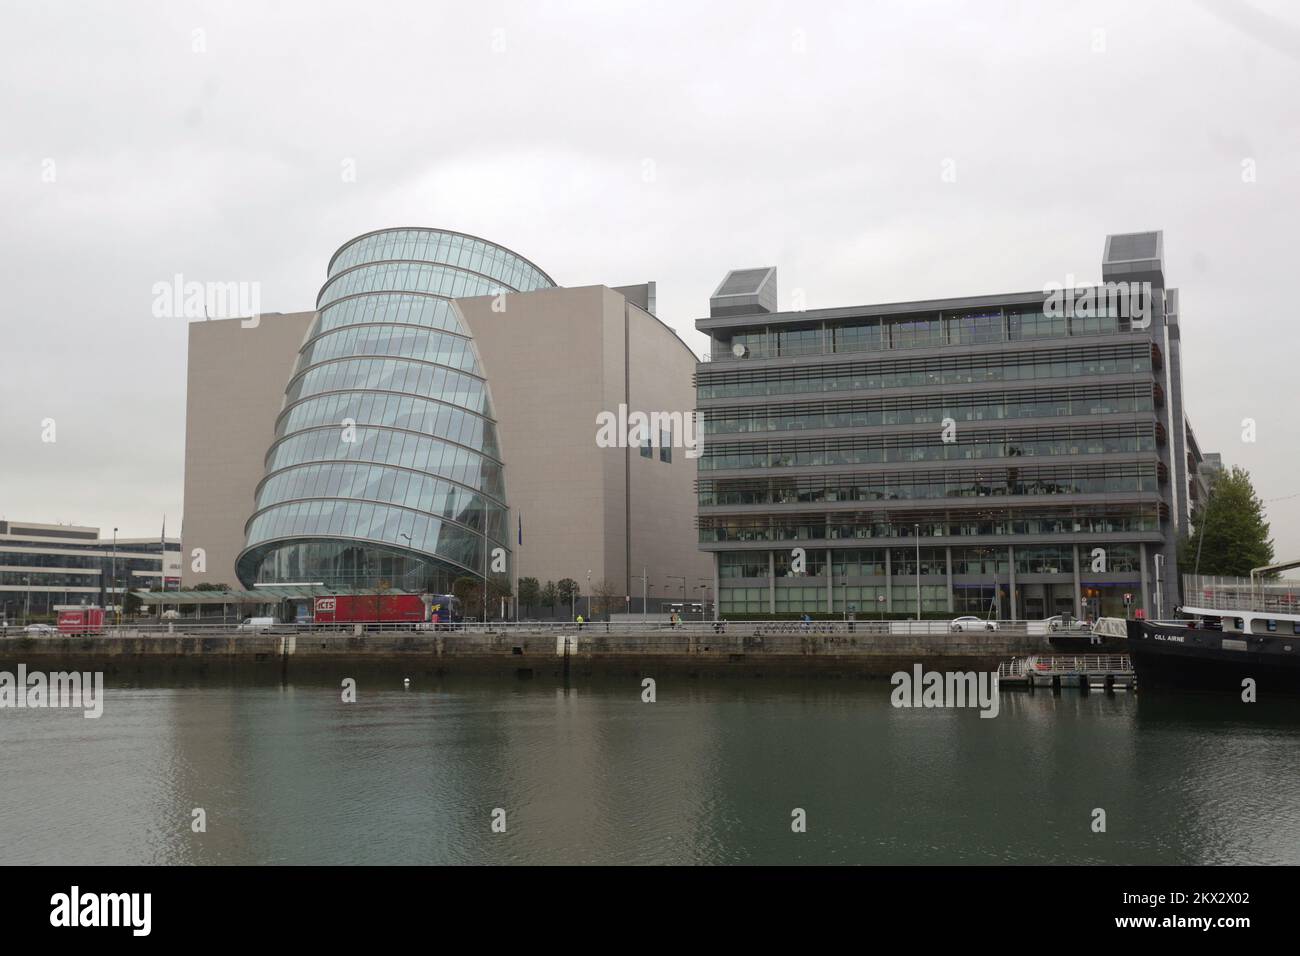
86,620
369,609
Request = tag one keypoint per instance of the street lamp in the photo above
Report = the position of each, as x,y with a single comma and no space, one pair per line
704,604
117,614
589,594
677,577
917,528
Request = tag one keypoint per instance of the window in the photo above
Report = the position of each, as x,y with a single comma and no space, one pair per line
666,445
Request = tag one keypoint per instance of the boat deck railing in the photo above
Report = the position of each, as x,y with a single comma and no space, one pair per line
1099,664
1240,594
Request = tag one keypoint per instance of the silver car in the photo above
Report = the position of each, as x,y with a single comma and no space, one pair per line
972,623
1067,622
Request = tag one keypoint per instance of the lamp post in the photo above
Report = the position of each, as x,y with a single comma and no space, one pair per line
917,529
704,604
677,577
1160,602
589,594
117,612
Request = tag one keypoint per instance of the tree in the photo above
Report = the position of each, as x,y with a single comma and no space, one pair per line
550,596
1229,531
567,591
211,587
605,597
529,592
498,588
467,591
131,603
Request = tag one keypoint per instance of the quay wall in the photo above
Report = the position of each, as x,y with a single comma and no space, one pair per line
527,653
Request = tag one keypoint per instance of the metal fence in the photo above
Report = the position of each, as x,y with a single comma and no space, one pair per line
1241,594
556,628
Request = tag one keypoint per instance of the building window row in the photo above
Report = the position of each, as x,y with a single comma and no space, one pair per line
371,522
865,525
911,486
930,446
400,308
383,446
1077,362
449,249
886,333
390,409
396,486
408,342
448,281
902,562
391,375
931,409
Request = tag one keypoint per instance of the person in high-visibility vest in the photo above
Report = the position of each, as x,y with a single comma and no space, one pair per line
580,622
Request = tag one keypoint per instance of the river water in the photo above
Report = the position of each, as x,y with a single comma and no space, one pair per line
711,772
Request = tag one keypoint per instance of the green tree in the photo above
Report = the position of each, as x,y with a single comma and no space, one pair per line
606,597
467,591
550,596
567,591
131,603
1229,531
498,588
529,592
211,587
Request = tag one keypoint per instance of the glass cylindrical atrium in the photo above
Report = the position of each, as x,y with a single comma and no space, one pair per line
385,469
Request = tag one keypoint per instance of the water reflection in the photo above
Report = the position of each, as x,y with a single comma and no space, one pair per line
710,773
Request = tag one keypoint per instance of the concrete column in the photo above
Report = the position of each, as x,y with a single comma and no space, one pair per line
1146,594
948,563
717,582
771,582
1011,587
889,586
1078,586
830,583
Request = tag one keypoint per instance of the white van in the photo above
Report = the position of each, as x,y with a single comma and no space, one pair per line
256,624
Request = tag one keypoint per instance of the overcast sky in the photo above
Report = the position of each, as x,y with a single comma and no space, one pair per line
615,143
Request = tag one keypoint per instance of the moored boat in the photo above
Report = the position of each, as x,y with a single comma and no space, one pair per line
1238,631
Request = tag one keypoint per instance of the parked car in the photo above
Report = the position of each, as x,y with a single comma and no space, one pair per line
40,629
256,624
1067,622
970,622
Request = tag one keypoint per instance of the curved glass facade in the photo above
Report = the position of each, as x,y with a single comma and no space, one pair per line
385,470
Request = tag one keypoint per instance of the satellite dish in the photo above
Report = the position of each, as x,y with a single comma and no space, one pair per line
739,350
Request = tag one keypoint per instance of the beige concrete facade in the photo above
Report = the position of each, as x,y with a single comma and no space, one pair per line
555,360
235,390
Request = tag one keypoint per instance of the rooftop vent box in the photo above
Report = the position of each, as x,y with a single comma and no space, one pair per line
1135,256
745,292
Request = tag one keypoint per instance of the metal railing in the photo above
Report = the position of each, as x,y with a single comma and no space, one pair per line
727,627
1078,664
1240,594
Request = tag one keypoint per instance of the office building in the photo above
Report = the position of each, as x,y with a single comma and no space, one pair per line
45,566
1013,456
441,403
